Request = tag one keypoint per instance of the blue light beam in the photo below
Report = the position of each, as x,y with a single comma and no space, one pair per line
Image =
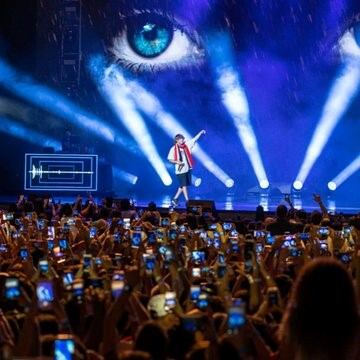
19,131
47,99
235,101
111,84
343,91
345,174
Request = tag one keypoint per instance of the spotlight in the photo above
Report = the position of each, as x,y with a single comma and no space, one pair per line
332,185
196,181
298,185
264,184
124,175
229,183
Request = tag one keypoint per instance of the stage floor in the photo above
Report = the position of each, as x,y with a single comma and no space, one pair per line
230,202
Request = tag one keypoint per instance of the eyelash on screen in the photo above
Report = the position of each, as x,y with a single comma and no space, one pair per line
124,55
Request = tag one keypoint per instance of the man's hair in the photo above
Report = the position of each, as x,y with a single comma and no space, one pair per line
179,136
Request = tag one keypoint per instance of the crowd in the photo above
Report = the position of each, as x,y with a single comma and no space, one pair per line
108,281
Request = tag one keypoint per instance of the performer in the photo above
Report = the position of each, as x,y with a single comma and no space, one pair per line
180,155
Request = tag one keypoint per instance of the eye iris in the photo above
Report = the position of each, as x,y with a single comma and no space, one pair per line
150,40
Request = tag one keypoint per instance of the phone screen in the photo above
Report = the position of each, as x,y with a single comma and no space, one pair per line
236,318
12,288
43,266
64,348
45,293
136,239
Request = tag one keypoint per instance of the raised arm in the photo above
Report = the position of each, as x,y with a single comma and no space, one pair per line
198,135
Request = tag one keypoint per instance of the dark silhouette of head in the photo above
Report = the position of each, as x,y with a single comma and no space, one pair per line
281,212
151,338
322,318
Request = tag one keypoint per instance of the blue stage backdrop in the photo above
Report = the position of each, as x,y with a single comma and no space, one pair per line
275,84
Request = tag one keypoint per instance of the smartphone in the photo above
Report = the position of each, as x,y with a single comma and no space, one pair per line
3,248
227,226
236,318
345,258
51,232
92,232
259,248
221,257
117,287
182,229
126,223
295,252
116,238
213,227
12,288
87,261
324,231
217,242
234,246
234,233
194,292
78,288
64,347
203,301
151,238
259,233
149,261
170,300
41,224
63,244
8,216
304,237
43,266
68,279
165,222
198,257
172,234
269,239
323,246
196,272
24,253
118,275
135,239
71,221
45,293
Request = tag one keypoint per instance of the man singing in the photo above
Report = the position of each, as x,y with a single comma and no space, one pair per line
180,155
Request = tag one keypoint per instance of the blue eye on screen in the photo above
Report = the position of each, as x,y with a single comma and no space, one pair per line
152,41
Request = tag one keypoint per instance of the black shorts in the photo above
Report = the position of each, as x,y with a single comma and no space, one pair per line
184,179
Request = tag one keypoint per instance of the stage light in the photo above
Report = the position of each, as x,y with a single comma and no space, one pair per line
234,99
351,169
196,181
47,99
264,184
151,106
332,185
298,185
124,175
229,183
112,85
341,94
19,131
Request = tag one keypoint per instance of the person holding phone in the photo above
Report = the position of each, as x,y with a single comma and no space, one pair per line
180,156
